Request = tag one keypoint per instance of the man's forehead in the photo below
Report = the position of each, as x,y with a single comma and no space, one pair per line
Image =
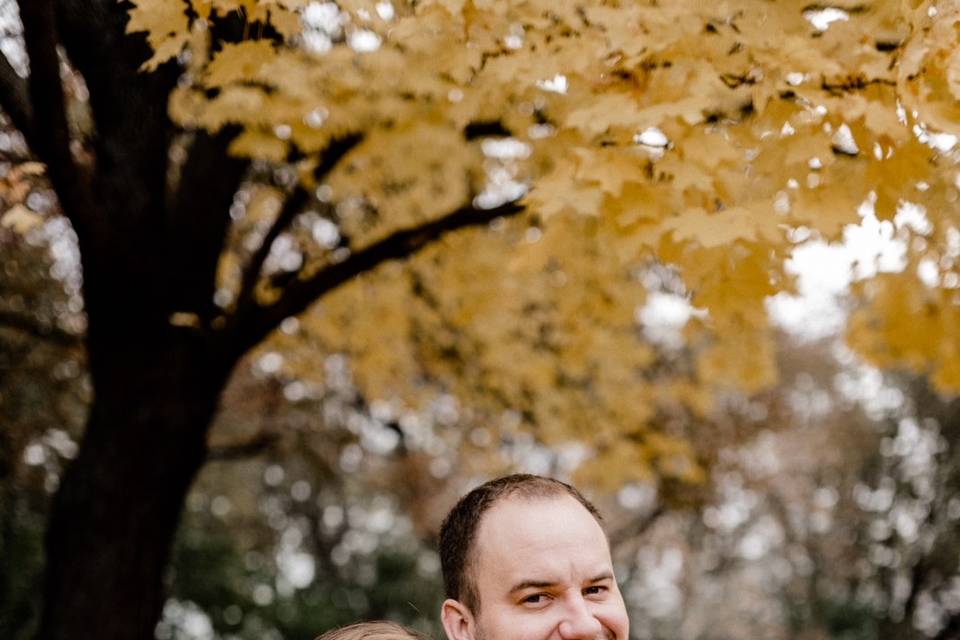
517,510
519,531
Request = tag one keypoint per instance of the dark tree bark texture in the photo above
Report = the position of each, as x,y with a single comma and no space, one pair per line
115,515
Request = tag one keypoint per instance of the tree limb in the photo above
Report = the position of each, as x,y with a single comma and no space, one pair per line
198,219
251,272
51,141
255,324
15,98
332,155
126,241
49,135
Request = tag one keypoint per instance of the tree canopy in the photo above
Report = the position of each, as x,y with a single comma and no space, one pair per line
712,139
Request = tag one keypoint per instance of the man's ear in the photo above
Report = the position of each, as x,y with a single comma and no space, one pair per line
457,620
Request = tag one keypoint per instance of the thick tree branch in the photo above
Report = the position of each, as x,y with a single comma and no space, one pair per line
49,135
334,153
254,325
127,242
294,205
15,98
198,220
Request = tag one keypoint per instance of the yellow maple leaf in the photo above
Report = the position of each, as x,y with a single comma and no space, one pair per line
815,147
755,222
639,203
560,192
236,103
286,22
708,149
622,111
240,62
895,175
826,208
256,143
166,25
732,285
610,168
165,50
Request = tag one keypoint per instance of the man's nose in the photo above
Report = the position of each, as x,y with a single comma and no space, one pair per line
579,623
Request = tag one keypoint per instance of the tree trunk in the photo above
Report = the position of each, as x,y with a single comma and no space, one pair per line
118,507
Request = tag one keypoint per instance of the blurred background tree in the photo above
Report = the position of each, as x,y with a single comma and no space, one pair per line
757,483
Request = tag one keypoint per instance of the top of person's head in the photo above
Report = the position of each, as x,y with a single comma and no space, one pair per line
459,530
378,630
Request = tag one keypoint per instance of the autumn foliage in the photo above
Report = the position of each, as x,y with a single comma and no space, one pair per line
692,135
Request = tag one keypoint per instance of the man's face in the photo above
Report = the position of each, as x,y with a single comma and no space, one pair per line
542,570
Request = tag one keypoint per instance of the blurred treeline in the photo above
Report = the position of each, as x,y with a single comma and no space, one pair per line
830,510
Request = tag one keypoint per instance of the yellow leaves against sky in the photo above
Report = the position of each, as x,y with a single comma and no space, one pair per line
698,135
909,325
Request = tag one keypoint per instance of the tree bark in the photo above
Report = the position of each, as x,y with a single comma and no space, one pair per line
118,507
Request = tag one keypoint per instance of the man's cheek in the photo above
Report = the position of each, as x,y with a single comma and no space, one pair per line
614,620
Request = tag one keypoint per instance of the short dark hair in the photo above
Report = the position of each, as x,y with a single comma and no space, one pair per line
459,529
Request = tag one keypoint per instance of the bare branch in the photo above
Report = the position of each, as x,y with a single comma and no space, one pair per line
332,155
484,128
254,325
251,273
15,98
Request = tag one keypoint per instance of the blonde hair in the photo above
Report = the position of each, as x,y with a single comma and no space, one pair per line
379,630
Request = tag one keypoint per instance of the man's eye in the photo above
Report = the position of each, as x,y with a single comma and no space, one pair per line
536,598
595,590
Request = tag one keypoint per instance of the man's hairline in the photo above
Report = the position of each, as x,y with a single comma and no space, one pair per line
472,550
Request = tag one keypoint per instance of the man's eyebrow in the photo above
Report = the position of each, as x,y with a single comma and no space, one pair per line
600,577
532,584
546,584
